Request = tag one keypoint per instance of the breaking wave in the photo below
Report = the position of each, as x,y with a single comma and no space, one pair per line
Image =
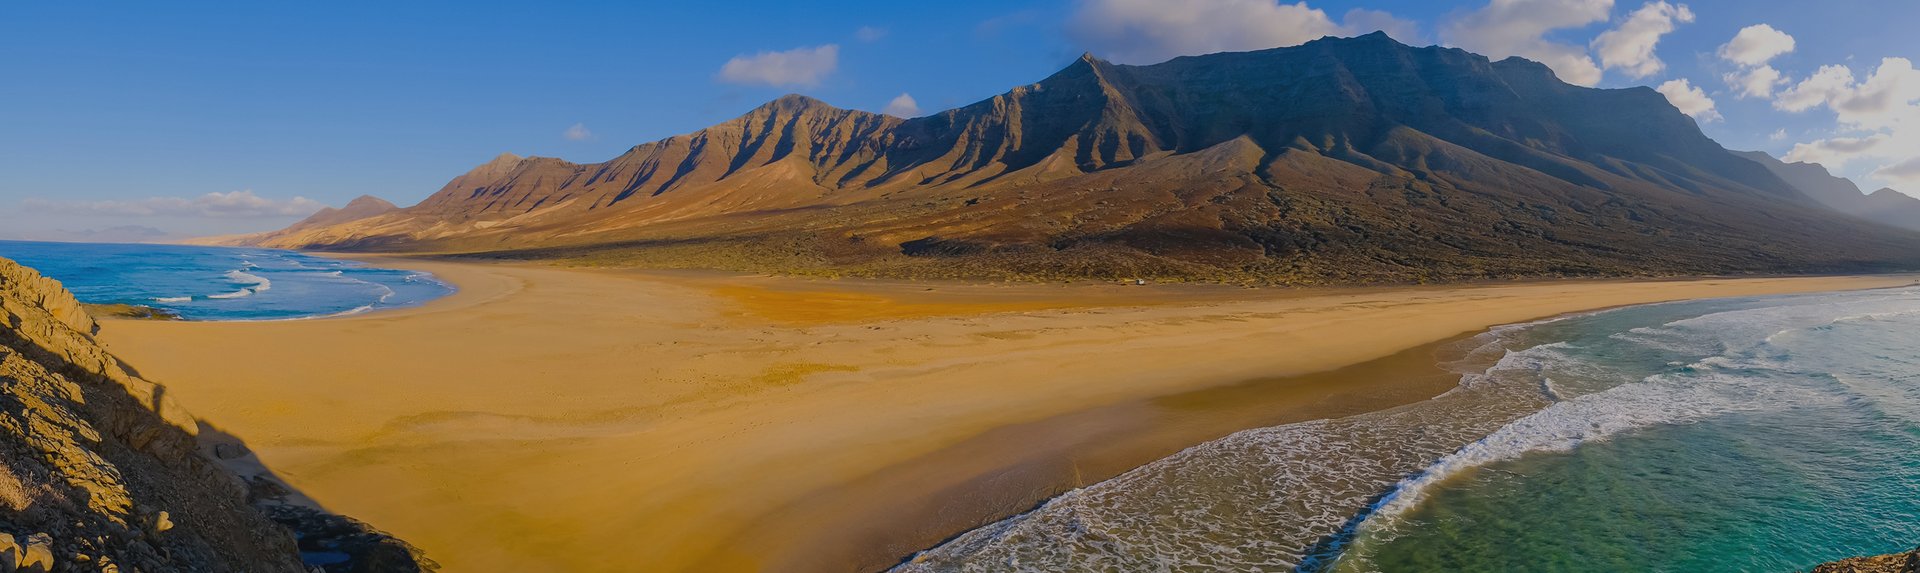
217,283
1296,497
259,283
1711,387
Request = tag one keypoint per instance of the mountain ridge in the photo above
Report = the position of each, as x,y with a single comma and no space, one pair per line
1340,160
1885,206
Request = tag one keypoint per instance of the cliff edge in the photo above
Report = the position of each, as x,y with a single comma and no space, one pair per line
101,471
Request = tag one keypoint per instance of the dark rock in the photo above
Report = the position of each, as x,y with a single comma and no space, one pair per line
1908,562
230,451
10,552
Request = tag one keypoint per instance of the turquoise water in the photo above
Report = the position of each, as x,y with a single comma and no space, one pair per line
1776,435
1758,434
219,283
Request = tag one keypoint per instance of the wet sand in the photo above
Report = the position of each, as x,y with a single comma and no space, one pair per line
584,420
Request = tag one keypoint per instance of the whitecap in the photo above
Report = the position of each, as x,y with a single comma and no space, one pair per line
1702,390
1890,316
1254,500
172,299
259,283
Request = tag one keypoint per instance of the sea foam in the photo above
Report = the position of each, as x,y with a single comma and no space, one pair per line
1666,399
1255,499
260,283
1293,497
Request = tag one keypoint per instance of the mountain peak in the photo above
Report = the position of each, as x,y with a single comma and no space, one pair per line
1375,37
794,102
1821,166
1085,66
1515,67
368,202
500,165
359,208
1369,41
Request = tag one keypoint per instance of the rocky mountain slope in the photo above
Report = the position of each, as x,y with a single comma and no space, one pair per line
1340,160
361,207
1886,206
314,228
1893,207
101,471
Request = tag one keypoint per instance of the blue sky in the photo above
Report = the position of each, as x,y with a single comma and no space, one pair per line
216,117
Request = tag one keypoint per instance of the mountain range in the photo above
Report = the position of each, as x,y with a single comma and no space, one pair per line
1884,206
1339,160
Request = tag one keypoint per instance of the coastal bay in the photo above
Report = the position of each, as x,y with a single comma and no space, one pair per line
588,420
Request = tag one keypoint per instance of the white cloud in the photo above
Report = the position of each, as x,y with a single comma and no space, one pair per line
1755,82
1505,28
1629,47
1778,135
1888,99
236,204
118,234
1691,100
798,67
1906,172
1148,31
870,33
1818,89
1364,21
1755,45
1881,114
902,106
578,132
1837,151
1750,50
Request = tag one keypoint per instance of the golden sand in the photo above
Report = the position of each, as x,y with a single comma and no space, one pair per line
547,419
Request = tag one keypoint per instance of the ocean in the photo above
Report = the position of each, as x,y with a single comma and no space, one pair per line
1753,434
220,283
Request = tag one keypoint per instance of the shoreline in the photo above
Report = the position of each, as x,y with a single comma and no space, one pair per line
1100,443
791,424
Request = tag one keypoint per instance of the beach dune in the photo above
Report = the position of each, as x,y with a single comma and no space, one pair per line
549,419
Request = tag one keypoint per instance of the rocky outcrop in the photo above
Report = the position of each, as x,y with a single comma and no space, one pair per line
1908,562
129,311
100,470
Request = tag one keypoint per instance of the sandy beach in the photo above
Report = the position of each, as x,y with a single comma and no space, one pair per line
549,419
